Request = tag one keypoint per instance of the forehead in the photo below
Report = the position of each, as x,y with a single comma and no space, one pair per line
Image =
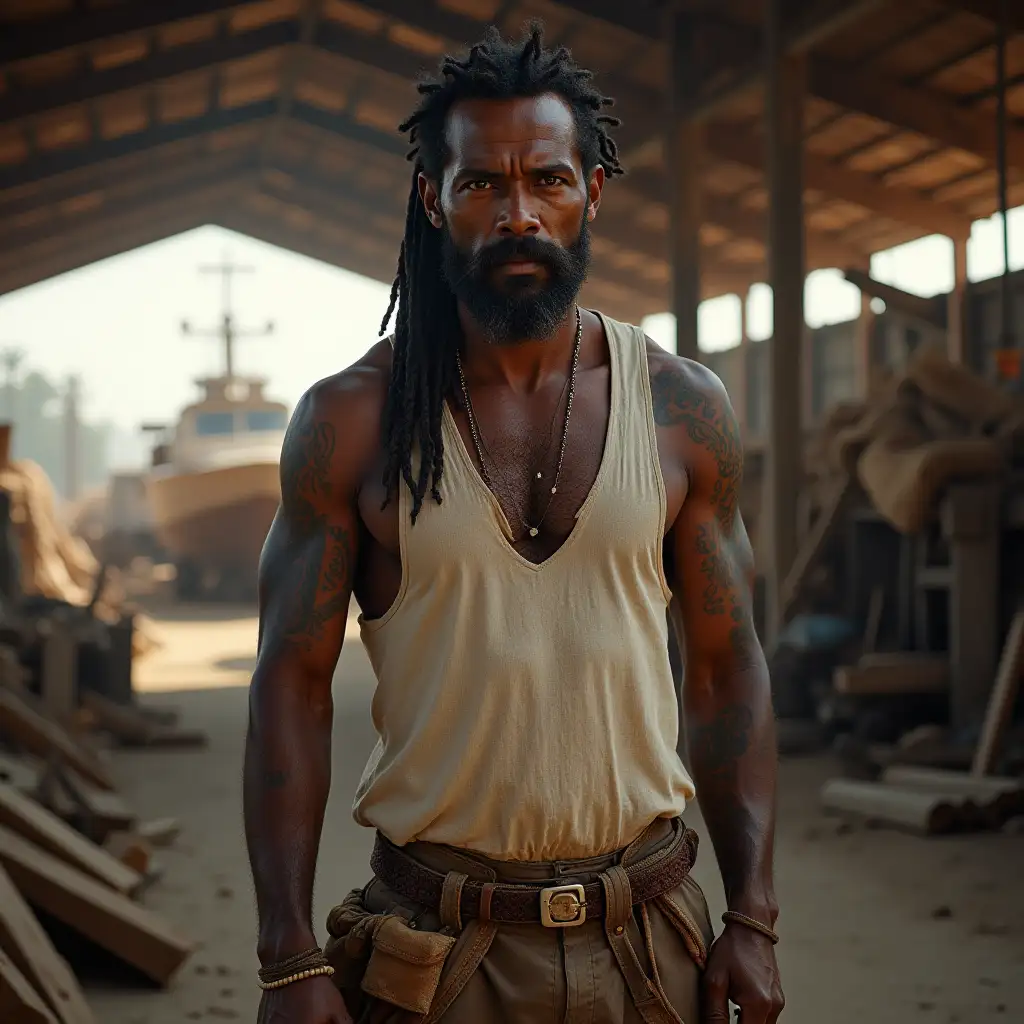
541,127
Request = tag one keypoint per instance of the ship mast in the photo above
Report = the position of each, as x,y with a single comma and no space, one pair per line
228,333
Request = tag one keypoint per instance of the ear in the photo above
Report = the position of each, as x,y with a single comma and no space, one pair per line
594,191
430,196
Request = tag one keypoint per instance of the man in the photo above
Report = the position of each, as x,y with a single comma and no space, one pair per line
514,489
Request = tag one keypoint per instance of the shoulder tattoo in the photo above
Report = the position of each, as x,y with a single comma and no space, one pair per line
325,564
710,423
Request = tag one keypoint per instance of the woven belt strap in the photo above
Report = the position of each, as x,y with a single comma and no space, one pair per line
650,877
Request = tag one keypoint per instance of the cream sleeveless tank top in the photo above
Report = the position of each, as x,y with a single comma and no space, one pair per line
527,712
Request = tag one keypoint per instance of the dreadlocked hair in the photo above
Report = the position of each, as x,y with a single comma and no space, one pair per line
427,331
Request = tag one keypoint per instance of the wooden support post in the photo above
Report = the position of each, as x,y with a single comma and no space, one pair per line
685,141
957,304
864,354
784,101
970,521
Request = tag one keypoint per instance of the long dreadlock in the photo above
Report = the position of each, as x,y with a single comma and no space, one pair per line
427,330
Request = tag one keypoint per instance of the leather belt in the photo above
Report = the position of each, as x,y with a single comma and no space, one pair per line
562,905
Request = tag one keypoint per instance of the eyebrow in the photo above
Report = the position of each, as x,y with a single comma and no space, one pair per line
564,169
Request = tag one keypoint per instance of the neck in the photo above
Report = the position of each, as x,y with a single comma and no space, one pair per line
522,366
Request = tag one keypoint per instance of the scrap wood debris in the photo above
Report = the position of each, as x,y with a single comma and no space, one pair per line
73,849
70,847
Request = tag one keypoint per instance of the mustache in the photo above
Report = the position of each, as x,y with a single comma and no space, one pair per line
527,247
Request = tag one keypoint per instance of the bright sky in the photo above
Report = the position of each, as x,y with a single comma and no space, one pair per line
116,323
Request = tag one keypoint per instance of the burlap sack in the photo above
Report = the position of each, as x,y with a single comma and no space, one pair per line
956,388
846,446
904,481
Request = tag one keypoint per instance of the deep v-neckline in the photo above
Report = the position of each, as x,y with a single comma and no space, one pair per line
501,523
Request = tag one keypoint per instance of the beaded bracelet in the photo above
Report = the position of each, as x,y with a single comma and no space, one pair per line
750,922
312,972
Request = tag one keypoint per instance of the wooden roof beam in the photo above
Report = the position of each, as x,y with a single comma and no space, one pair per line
991,10
85,25
58,209
152,200
111,233
914,109
903,205
814,23
824,249
181,60
66,161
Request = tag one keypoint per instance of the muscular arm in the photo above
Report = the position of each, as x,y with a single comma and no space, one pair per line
726,690
306,579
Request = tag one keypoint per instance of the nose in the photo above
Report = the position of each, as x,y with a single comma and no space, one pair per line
518,218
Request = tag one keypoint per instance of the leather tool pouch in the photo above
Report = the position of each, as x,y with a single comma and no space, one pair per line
382,956
405,965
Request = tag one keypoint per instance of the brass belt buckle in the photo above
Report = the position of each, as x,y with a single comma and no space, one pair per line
563,906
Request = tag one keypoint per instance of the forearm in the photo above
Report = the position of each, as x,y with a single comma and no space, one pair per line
286,783
732,750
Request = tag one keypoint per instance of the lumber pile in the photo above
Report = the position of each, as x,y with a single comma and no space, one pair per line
72,849
928,801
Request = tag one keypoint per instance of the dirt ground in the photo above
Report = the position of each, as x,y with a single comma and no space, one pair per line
876,926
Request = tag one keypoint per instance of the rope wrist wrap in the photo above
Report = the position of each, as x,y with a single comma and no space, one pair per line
733,917
310,964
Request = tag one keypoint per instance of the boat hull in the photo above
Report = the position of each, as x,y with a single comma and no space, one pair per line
214,523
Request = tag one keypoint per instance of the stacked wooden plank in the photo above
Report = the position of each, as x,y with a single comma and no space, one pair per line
928,801
935,801
71,850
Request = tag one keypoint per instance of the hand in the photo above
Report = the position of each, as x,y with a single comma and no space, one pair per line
741,967
312,1001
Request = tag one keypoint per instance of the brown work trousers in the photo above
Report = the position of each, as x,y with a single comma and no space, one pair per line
488,973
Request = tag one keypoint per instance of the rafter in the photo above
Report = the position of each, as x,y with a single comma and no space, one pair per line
58,209
915,109
110,233
912,108
823,249
185,59
85,25
155,200
991,10
903,205
51,164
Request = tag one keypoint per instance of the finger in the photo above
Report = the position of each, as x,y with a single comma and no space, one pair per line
715,999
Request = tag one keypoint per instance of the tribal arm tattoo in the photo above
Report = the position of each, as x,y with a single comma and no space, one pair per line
306,578
726,690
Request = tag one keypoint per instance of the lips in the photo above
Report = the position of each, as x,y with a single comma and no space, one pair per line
521,267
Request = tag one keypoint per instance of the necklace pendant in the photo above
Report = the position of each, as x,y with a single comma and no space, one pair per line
539,475
534,531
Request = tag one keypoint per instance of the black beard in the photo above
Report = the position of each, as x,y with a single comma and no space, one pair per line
522,309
